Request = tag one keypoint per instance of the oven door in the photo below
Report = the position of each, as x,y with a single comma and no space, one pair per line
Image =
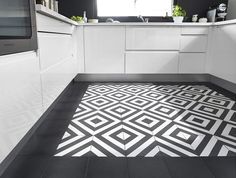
17,26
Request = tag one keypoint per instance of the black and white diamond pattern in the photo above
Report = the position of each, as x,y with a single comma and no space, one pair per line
147,120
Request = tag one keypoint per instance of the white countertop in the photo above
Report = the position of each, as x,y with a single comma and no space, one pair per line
50,13
145,24
227,22
45,11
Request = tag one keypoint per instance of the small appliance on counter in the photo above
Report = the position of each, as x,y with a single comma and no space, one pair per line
218,13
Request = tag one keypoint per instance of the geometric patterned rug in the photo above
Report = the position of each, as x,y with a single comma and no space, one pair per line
147,120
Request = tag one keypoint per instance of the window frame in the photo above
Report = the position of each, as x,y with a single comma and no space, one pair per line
130,16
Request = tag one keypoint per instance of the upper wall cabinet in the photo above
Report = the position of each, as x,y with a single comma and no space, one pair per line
104,49
152,38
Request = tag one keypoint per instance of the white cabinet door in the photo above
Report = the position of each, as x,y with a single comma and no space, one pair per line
152,38
197,43
104,49
58,63
56,79
192,63
54,48
223,53
20,98
151,62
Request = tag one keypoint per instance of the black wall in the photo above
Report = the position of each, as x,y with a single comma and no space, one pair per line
76,7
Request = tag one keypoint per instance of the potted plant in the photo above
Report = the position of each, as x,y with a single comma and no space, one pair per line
77,19
178,14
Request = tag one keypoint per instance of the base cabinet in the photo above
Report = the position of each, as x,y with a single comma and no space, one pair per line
192,63
58,64
222,54
55,80
54,48
20,99
151,62
104,49
152,38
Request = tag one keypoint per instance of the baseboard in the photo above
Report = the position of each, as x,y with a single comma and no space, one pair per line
157,78
12,155
223,83
143,78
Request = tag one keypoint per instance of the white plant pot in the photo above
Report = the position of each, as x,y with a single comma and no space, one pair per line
178,19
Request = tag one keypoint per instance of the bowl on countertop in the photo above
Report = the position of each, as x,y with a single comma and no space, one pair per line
92,20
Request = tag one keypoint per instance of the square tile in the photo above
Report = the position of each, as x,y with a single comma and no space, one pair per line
61,167
187,167
221,167
147,167
27,167
107,168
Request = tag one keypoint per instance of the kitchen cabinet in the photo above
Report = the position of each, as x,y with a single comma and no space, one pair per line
104,49
21,98
152,38
194,30
54,48
151,62
80,49
222,52
58,56
197,43
192,63
48,24
55,80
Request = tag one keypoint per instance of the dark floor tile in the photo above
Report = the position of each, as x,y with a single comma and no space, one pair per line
27,167
63,115
221,167
61,167
66,106
52,128
41,145
147,168
107,168
75,92
191,167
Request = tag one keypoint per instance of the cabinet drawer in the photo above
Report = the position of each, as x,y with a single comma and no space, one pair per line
192,63
193,44
54,48
151,62
155,38
47,24
195,30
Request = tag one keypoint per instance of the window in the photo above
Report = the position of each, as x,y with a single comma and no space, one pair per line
134,7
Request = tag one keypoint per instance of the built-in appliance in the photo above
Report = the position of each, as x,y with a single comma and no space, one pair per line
217,13
17,26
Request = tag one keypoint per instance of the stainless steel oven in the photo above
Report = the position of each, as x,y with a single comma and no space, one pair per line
17,26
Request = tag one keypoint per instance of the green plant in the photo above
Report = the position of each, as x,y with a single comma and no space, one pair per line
77,18
178,11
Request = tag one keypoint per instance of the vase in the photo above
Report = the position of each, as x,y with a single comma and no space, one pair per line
178,19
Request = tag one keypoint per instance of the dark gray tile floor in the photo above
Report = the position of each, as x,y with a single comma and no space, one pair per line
37,160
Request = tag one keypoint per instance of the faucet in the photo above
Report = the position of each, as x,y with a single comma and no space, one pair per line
143,19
